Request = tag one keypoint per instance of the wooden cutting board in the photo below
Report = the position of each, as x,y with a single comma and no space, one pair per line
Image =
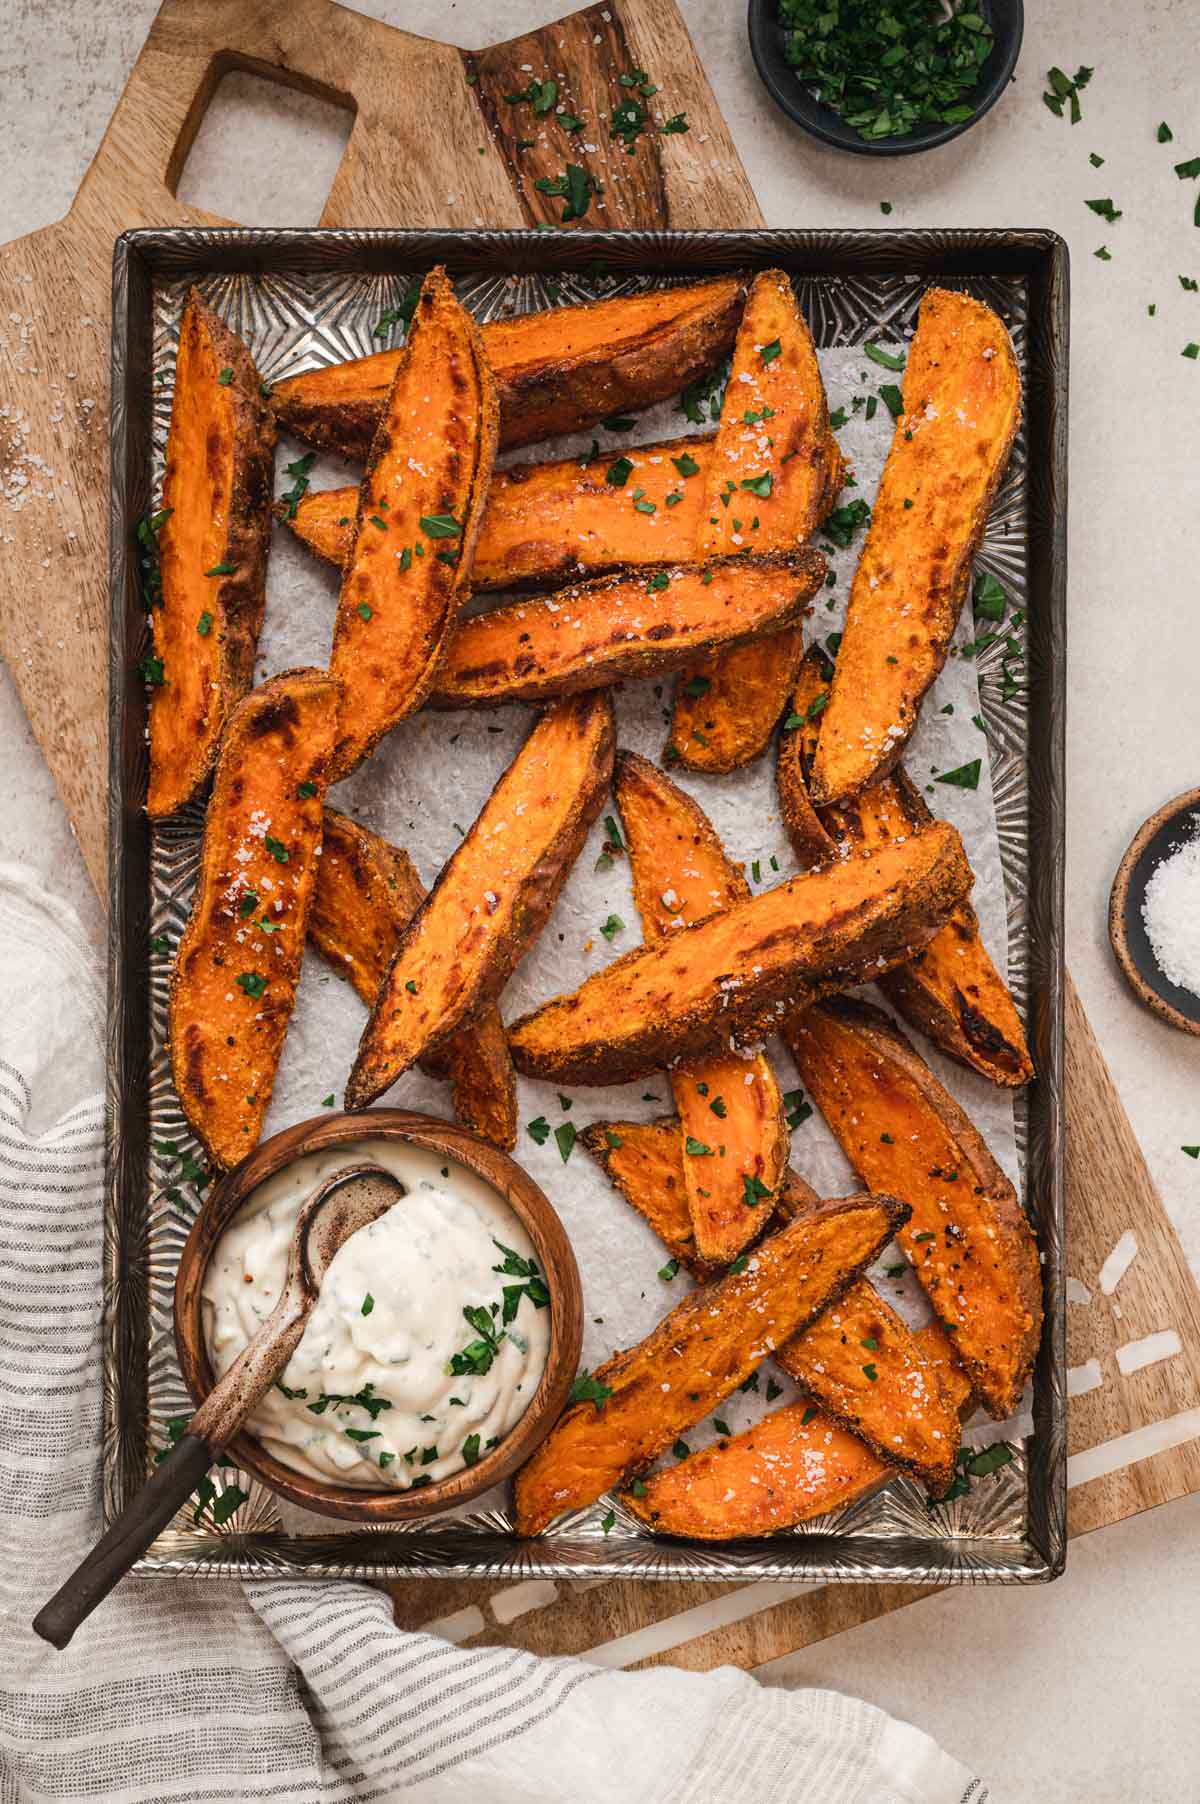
1135,1435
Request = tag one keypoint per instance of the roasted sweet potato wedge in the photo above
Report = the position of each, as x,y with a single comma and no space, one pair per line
951,990
697,1355
968,1239
592,634
367,892
773,476
962,406
493,896
858,1359
238,963
557,371
644,1161
419,510
213,540
739,974
794,1465
731,1116
549,523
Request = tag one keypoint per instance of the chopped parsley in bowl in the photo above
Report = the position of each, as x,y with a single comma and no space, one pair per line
885,77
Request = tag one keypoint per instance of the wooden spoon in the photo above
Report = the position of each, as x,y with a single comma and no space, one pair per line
349,1200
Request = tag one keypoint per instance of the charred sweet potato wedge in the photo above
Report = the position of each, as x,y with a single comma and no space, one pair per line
796,1464
648,1395
548,523
952,990
731,1117
367,892
419,511
592,634
238,963
556,371
858,1359
962,406
493,896
740,974
773,476
967,1239
213,540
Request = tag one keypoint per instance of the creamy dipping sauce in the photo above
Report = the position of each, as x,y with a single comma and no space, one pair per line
392,1385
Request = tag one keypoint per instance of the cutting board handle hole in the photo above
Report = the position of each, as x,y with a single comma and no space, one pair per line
264,152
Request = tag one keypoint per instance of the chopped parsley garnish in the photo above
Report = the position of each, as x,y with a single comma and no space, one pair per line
440,526
587,1389
837,418
667,1272
696,1149
612,927
798,1110
539,1130
248,904
697,686
1189,350
299,472
739,1264
769,352
681,1450
224,377
888,359
843,522
612,1139
160,943
564,1138
1067,88
225,569
401,315
753,1190
871,1373
618,473
987,596
364,1434
717,1105
1164,133
574,187
686,465
808,1416
1105,209
276,848
368,1304
1193,1152
204,624
676,123
541,96
364,610
619,422
1104,254
641,505
252,983
659,580
327,1101
478,1355
893,400
147,537
470,1450
1188,171
759,485
965,777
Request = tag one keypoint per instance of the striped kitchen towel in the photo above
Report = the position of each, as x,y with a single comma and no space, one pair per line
184,1689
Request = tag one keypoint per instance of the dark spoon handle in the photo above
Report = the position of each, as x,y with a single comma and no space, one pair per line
128,1538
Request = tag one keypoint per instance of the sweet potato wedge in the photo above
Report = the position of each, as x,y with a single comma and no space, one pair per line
739,974
592,634
858,1359
794,1465
238,963
493,896
731,1116
697,1355
962,406
967,1239
548,523
951,990
556,371
773,476
213,543
367,892
644,1162
419,510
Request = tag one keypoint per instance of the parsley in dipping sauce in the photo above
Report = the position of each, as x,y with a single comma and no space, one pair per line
888,66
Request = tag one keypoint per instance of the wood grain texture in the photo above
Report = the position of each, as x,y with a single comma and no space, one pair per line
54,368
54,615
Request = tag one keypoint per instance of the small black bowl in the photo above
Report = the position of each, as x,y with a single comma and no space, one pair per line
767,38
1167,828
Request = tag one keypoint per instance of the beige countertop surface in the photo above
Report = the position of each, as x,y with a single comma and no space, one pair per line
1083,1690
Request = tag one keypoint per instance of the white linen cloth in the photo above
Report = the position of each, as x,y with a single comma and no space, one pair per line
196,1690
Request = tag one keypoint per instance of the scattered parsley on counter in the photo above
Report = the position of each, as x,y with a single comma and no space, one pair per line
1164,133
575,187
1105,209
1067,88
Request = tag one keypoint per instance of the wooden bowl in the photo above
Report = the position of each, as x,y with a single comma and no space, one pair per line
554,1255
1126,929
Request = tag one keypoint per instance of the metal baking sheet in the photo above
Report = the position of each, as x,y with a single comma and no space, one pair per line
314,296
